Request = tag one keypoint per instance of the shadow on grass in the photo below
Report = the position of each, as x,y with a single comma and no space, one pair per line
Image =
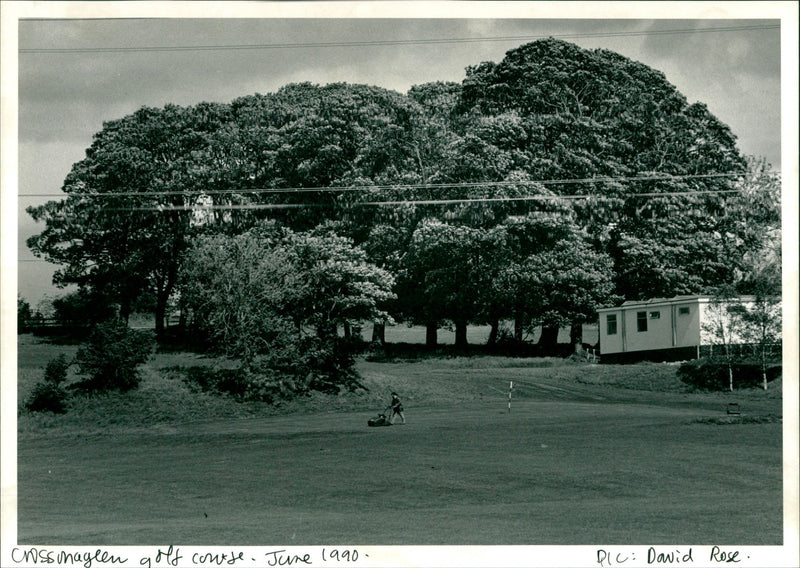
224,382
60,335
392,352
741,419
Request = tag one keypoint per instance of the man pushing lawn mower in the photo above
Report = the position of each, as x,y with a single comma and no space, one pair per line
396,407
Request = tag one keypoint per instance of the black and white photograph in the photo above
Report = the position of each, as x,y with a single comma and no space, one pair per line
399,284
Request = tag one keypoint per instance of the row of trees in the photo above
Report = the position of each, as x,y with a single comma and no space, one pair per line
537,189
744,332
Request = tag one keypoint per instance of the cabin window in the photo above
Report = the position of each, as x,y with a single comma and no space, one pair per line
641,321
611,324
683,311
655,315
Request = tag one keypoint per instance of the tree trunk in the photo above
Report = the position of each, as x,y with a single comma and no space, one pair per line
161,312
495,328
163,292
730,377
576,337
461,334
430,334
519,324
379,332
348,332
549,337
125,311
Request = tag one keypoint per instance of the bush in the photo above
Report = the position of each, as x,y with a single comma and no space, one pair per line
82,307
56,370
240,384
310,365
111,357
712,375
47,396
330,365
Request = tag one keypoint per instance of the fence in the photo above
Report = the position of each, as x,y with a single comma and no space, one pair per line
37,322
743,351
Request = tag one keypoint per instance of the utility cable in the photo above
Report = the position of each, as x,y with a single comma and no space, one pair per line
373,43
199,207
339,189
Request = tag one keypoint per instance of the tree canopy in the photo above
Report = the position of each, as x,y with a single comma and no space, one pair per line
565,113
115,233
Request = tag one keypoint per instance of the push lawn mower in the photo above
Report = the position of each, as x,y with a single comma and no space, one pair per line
379,420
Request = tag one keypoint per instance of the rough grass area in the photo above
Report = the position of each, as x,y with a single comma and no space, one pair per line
164,397
161,398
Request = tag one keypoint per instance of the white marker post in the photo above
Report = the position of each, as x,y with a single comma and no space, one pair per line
510,388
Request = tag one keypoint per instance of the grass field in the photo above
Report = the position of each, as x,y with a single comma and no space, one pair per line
588,454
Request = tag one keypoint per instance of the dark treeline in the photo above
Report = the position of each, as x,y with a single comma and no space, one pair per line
270,202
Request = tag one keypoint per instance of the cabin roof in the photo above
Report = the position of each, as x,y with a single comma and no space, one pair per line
653,302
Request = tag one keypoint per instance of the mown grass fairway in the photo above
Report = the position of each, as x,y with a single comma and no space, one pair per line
574,462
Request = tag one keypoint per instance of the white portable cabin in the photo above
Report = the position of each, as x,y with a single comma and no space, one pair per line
658,329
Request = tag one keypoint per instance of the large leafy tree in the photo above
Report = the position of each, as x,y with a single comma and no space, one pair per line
124,225
235,289
580,114
143,189
247,288
755,213
564,286
339,285
273,299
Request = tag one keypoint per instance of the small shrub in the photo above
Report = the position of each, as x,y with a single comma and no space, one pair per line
330,366
712,375
311,365
47,396
56,370
111,357
238,383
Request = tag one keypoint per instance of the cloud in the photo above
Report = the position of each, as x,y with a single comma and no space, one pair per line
67,96
755,52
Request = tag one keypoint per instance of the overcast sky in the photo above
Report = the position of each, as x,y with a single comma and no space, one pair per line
64,97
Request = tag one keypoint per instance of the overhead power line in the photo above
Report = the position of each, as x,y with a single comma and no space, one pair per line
404,202
372,43
398,187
